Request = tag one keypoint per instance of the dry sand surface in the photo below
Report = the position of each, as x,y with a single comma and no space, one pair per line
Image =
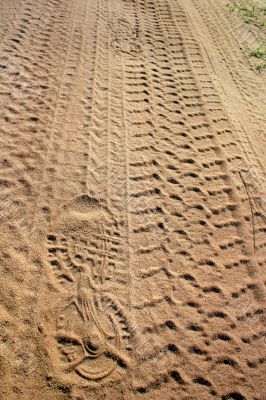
132,201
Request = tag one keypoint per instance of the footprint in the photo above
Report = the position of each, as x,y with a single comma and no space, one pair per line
92,333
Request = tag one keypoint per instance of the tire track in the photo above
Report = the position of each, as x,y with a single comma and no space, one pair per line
181,186
10,15
95,218
240,80
142,243
58,128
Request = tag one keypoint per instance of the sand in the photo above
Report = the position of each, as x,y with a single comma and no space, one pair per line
132,177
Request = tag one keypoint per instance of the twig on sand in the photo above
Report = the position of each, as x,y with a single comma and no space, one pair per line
254,208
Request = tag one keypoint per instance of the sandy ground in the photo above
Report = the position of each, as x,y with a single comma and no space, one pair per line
132,194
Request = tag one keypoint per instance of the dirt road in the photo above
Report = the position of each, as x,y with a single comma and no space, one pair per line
132,177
